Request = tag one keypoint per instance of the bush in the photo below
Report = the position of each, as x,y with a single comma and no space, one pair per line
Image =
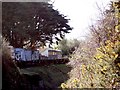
97,64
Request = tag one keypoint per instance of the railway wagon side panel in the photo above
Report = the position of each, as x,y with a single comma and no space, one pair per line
28,55
19,54
35,55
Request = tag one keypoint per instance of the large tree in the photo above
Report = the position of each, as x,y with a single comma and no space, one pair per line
32,23
68,46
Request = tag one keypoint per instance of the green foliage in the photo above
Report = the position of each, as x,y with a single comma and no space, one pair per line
52,75
68,46
32,24
64,47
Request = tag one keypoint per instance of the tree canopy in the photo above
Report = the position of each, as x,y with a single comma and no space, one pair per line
68,46
32,24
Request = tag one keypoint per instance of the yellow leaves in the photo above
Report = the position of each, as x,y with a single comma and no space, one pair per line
109,44
109,48
116,55
83,68
75,81
98,70
116,4
113,55
98,49
100,60
117,15
98,56
117,43
74,84
63,85
108,52
105,55
117,28
102,71
108,41
105,68
118,65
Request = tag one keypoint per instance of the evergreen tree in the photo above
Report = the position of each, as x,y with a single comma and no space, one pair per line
32,24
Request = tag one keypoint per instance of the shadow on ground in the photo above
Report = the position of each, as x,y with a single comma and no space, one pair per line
46,76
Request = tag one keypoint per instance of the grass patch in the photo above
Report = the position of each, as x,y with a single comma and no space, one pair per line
52,75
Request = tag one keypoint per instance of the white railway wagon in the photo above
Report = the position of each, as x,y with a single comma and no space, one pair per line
26,55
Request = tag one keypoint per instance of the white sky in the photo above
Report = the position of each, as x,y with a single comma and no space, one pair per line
81,12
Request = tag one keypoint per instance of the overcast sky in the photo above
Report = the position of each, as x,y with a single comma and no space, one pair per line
81,13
